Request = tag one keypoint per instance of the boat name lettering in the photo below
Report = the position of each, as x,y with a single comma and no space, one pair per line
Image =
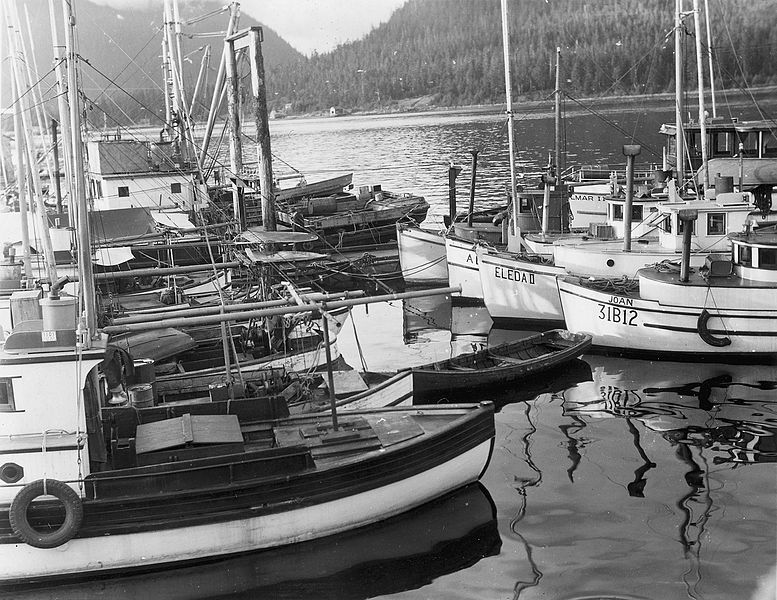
584,198
514,275
614,314
472,258
621,300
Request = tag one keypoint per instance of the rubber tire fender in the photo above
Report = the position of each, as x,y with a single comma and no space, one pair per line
74,514
704,333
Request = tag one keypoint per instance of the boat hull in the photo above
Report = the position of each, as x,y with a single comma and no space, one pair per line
463,269
515,288
636,326
154,530
498,365
421,254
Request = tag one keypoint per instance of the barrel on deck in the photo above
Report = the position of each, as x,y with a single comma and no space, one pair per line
144,373
724,185
59,313
141,395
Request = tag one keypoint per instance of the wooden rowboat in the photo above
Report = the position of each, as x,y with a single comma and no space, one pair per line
500,364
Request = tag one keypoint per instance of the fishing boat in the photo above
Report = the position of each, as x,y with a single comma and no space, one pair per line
147,487
522,286
144,488
421,254
724,309
400,554
501,364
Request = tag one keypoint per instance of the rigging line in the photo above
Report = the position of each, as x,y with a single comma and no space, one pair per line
213,13
745,90
9,108
148,109
612,124
131,58
94,104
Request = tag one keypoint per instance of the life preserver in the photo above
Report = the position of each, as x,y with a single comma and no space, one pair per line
704,333
74,513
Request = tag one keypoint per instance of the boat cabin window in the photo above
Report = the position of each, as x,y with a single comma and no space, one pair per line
636,212
723,143
769,144
524,204
744,256
7,403
693,141
749,141
767,258
175,188
716,224
123,191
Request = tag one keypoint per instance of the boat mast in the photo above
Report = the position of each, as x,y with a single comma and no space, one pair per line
509,107
709,58
85,270
21,180
36,188
3,173
62,106
219,88
557,94
167,78
678,87
702,112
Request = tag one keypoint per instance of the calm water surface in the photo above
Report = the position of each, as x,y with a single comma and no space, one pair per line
611,478
614,478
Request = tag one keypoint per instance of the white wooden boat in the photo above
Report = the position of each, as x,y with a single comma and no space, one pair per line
522,286
202,480
421,254
725,309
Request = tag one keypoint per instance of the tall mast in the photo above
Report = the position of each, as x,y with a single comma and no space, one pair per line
62,105
219,87
21,180
167,76
3,173
702,115
709,58
509,103
678,87
557,138
28,47
86,272
32,169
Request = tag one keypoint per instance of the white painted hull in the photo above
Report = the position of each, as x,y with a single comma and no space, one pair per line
166,546
518,289
607,259
421,255
634,324
586,207
463,266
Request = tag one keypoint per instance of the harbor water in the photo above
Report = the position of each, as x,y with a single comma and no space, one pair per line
610,477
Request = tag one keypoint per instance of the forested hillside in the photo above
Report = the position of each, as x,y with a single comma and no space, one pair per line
452,50
443,52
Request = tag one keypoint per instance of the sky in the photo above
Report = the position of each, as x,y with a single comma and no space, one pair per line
307,25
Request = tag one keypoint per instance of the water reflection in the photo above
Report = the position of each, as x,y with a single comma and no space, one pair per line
730,409
523,484
403,553
420,315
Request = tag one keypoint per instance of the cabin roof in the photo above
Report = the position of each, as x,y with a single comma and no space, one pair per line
720,125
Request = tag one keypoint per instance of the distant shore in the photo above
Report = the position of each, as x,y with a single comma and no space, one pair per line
767,95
